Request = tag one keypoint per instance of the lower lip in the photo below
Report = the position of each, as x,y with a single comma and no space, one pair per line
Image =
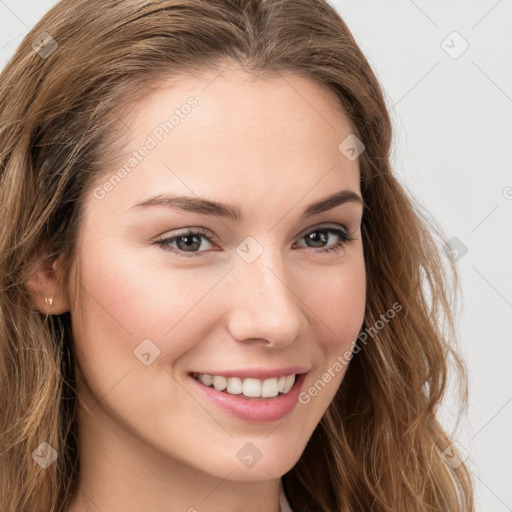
254,410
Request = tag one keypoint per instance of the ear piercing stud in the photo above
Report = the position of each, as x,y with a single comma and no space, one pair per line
49,301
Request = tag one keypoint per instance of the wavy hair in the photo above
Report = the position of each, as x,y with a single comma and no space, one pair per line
379,445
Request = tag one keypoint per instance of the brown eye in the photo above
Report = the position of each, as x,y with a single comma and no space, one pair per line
319,237
186,242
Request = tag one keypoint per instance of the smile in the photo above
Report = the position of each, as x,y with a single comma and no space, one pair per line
248,387
249,399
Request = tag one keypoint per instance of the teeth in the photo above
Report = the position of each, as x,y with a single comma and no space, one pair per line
252,388
207,380
234,386
219,383
269,388
288,383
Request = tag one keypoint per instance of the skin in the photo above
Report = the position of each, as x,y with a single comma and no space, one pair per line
148,439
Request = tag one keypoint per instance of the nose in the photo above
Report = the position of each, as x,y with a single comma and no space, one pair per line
264,307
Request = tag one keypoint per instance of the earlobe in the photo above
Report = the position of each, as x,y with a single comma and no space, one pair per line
47,288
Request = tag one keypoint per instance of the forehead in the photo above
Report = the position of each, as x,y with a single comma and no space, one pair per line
220,90
231,133
231,95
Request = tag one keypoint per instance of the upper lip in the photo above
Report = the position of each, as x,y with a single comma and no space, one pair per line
258,373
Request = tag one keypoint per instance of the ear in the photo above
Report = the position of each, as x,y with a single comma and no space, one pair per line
46,282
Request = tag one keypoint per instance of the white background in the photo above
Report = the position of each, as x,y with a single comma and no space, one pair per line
453,151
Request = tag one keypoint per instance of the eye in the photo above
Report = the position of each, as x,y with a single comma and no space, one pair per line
188,242
320,236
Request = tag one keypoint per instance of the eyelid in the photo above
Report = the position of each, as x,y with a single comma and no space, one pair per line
335,225
185,231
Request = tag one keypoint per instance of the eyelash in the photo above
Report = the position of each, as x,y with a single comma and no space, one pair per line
345,238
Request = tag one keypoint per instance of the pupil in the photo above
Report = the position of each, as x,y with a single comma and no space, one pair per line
313,237
190,240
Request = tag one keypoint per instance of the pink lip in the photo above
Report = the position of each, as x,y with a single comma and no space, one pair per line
258,373
254,410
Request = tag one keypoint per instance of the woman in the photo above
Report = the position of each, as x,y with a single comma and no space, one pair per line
215,294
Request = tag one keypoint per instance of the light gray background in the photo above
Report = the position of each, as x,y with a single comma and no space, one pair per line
453,151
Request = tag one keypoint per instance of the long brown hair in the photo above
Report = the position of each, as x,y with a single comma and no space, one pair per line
379,446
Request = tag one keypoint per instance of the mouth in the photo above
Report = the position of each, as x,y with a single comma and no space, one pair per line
250,399
250,388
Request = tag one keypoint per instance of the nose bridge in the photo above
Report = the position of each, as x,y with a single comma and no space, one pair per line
264,304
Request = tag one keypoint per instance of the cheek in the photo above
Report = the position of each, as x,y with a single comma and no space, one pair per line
123,303
140,296
125,311
338,300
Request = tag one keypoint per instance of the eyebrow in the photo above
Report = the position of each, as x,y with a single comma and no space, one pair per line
206,207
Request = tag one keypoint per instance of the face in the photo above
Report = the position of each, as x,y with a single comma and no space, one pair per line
264,287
